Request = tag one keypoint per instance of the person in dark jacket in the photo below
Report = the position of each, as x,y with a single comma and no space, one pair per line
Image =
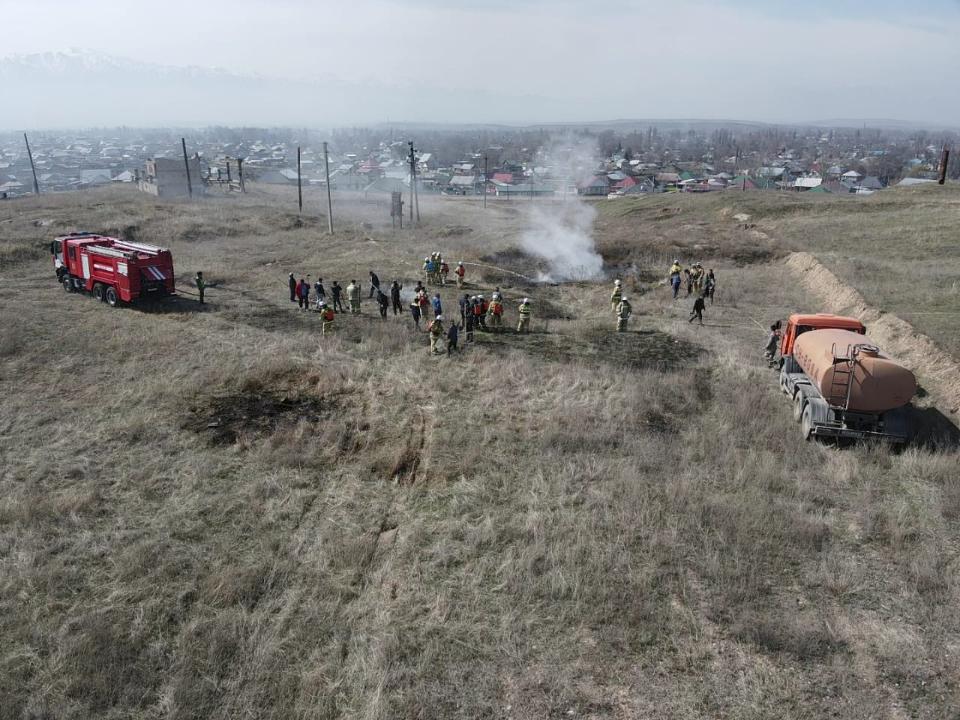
469,323
464,308
437,306
337,292
383,302
415,312
303,292
293,288
374,284
201,284
698,307
395,297
453,333
320,290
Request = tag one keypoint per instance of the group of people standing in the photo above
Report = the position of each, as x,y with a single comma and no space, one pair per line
436,271
476,313
698,280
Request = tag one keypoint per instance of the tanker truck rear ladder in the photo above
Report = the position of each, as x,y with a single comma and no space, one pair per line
841,383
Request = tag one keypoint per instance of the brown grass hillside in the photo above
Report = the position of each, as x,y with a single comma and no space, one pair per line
217,513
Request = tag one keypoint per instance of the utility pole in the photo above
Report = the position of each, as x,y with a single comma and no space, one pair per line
186,166
326,169
243,187
413,181
299,186
485,180
36,185
944,159
229,179
414,193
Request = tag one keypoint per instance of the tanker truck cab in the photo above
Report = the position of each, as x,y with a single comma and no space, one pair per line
842,386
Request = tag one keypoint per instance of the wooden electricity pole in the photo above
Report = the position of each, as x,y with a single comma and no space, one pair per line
229,179
243,187
36,185
186,166
944,159
326,169
299,186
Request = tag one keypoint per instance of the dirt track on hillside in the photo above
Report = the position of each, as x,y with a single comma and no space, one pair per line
898,337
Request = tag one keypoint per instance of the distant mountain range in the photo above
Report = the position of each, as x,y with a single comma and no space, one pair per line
84,88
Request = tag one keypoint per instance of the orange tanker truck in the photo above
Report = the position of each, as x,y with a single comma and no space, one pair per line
842,385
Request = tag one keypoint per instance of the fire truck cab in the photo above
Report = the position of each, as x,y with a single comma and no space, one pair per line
113,270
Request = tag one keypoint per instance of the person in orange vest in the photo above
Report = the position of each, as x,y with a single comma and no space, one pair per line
424,302
460,272
328,316
495,312
480,312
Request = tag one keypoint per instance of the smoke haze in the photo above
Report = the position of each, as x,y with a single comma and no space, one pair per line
561,232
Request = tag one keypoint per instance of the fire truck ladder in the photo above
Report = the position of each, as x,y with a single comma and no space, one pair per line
842,381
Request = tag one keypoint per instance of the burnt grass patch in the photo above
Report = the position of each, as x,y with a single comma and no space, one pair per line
641,349
224,419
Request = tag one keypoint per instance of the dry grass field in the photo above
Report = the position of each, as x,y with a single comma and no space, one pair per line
214,512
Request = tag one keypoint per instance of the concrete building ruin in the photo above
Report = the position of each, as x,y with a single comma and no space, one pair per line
167,178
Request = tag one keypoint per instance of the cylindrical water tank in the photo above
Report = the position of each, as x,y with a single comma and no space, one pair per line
878,383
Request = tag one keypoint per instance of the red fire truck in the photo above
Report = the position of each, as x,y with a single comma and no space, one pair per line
113,270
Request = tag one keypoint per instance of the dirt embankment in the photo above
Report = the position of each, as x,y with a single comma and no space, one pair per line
894,334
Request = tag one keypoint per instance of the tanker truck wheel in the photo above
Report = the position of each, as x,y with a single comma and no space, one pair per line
111,297
806,423
98,292
67,284
797,406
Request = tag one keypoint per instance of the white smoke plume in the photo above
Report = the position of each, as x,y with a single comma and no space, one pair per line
561,231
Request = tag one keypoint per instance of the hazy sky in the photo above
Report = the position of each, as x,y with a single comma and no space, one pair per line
542,60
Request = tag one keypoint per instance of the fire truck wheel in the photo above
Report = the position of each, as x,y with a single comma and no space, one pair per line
98,292
67,285
111,297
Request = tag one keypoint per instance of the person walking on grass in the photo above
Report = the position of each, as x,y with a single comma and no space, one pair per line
437,305
436,335
624,311
698,307
374,284
353,296
383,302
328,316
460,272
453,334
415,313
710,285
688,279
675,271
201,285
395,297
526,311
293,288
337,293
